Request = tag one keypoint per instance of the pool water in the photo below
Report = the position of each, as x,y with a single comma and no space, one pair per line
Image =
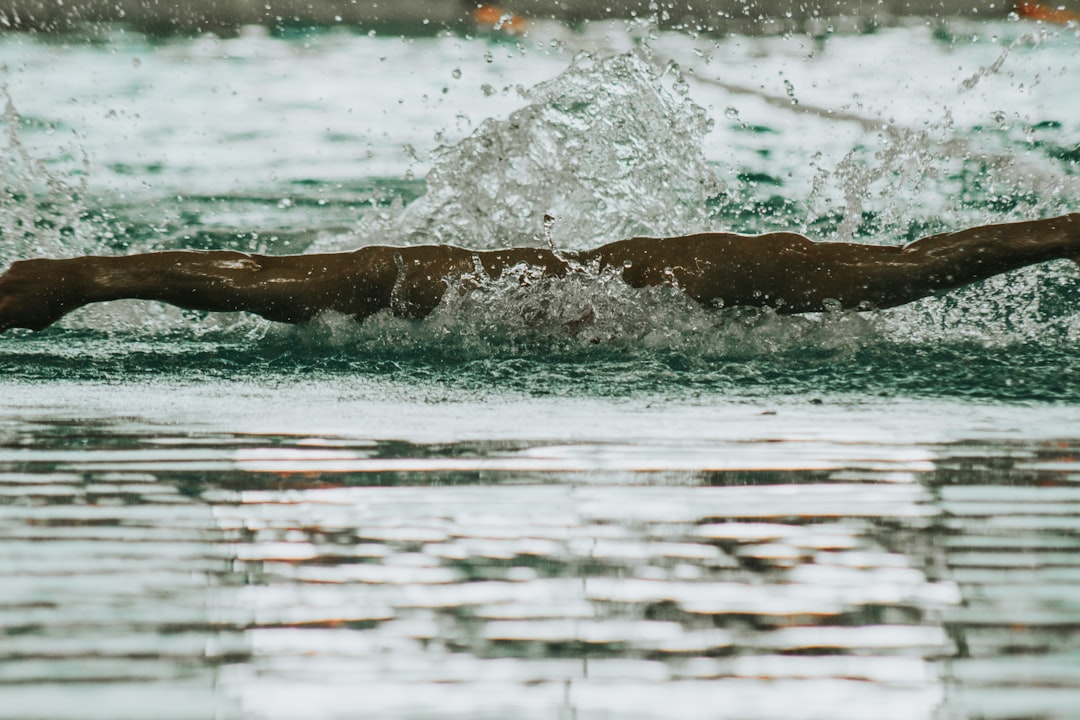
501,512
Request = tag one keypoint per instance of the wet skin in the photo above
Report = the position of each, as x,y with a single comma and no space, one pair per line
784,271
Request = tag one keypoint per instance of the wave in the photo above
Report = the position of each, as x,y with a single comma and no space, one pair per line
609,148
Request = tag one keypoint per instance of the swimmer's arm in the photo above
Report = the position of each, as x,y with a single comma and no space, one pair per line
785,271
793,274
293,288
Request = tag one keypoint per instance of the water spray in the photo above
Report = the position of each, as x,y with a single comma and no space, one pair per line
549,221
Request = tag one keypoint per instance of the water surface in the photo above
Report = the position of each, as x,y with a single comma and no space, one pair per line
499,511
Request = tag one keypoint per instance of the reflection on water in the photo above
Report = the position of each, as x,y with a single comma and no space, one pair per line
223,575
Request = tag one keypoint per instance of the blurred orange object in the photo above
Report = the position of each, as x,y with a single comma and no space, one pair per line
1046,13
493,17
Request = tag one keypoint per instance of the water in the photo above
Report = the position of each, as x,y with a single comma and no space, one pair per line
500,511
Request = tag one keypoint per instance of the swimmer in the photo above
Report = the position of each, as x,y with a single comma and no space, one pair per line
783,271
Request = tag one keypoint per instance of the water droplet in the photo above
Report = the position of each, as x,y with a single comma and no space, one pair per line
790,91
549,221
456,74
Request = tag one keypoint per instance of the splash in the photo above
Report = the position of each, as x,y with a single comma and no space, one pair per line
937,172
41,213
587,314
606,148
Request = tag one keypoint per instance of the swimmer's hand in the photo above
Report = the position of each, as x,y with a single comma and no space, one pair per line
36,293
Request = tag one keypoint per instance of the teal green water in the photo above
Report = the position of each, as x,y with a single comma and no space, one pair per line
501,511
1024,372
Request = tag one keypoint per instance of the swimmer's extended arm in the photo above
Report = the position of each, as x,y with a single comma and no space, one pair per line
36,293
792,274
289,288
803,276
785,271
